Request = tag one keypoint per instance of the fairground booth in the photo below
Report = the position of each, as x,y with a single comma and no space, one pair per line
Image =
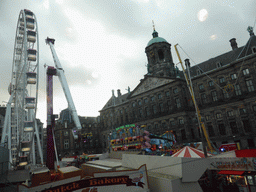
234,169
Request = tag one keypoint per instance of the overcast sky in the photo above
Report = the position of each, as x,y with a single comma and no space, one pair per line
101,44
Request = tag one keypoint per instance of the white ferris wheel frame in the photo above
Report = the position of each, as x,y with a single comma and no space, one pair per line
13,133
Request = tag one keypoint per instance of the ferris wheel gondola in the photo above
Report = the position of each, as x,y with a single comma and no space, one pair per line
20,126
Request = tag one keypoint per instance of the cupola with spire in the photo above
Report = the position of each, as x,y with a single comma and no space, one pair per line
160,62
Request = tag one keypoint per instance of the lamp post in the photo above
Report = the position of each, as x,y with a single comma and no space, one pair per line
109,139
187,63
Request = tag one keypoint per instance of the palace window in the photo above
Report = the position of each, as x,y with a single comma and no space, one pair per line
172,122
243,111
175,90
140,113
207,117
160,96
222,129
237,89
203,98
169,104
146,100
181,121
233,76
167,93
201,86
134,104
210,83
218,115
139,103
153,98
225,94
210,131
222,80
154,109
147,111
233,127
247,126
254,108
249,85
183,134
66,144
178,104
214,96
160,54
192,133
161,106
230,113
246,72
65,133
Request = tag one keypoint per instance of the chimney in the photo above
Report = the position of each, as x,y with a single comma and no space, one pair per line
118,93
233,43
113,93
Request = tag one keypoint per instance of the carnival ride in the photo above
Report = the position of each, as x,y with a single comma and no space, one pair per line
20,131
136,138
58,71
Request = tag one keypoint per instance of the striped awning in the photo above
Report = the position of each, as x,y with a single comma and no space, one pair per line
190,152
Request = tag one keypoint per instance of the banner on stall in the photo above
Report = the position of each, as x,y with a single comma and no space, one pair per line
234,163
131,180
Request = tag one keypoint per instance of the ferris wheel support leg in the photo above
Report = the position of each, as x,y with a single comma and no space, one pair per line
9,143
38,143
7,123
33,149
7,129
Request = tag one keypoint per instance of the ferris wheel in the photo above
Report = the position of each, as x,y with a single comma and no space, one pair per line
20,125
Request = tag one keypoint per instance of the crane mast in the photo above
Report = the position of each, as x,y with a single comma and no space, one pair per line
64,84
199,117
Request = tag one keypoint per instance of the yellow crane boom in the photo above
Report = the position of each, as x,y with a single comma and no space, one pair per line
194,101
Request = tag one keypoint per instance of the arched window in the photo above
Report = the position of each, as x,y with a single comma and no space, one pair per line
161,54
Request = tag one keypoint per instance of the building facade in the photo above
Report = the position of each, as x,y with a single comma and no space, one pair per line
225,91
88,142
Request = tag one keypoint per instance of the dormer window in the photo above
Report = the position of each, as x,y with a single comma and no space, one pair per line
219,64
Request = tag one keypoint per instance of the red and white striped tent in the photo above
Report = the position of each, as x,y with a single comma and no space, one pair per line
190,152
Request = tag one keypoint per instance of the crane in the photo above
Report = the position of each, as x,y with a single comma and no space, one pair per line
199,117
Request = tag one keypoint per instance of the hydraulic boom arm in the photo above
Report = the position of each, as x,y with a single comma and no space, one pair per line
63,81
